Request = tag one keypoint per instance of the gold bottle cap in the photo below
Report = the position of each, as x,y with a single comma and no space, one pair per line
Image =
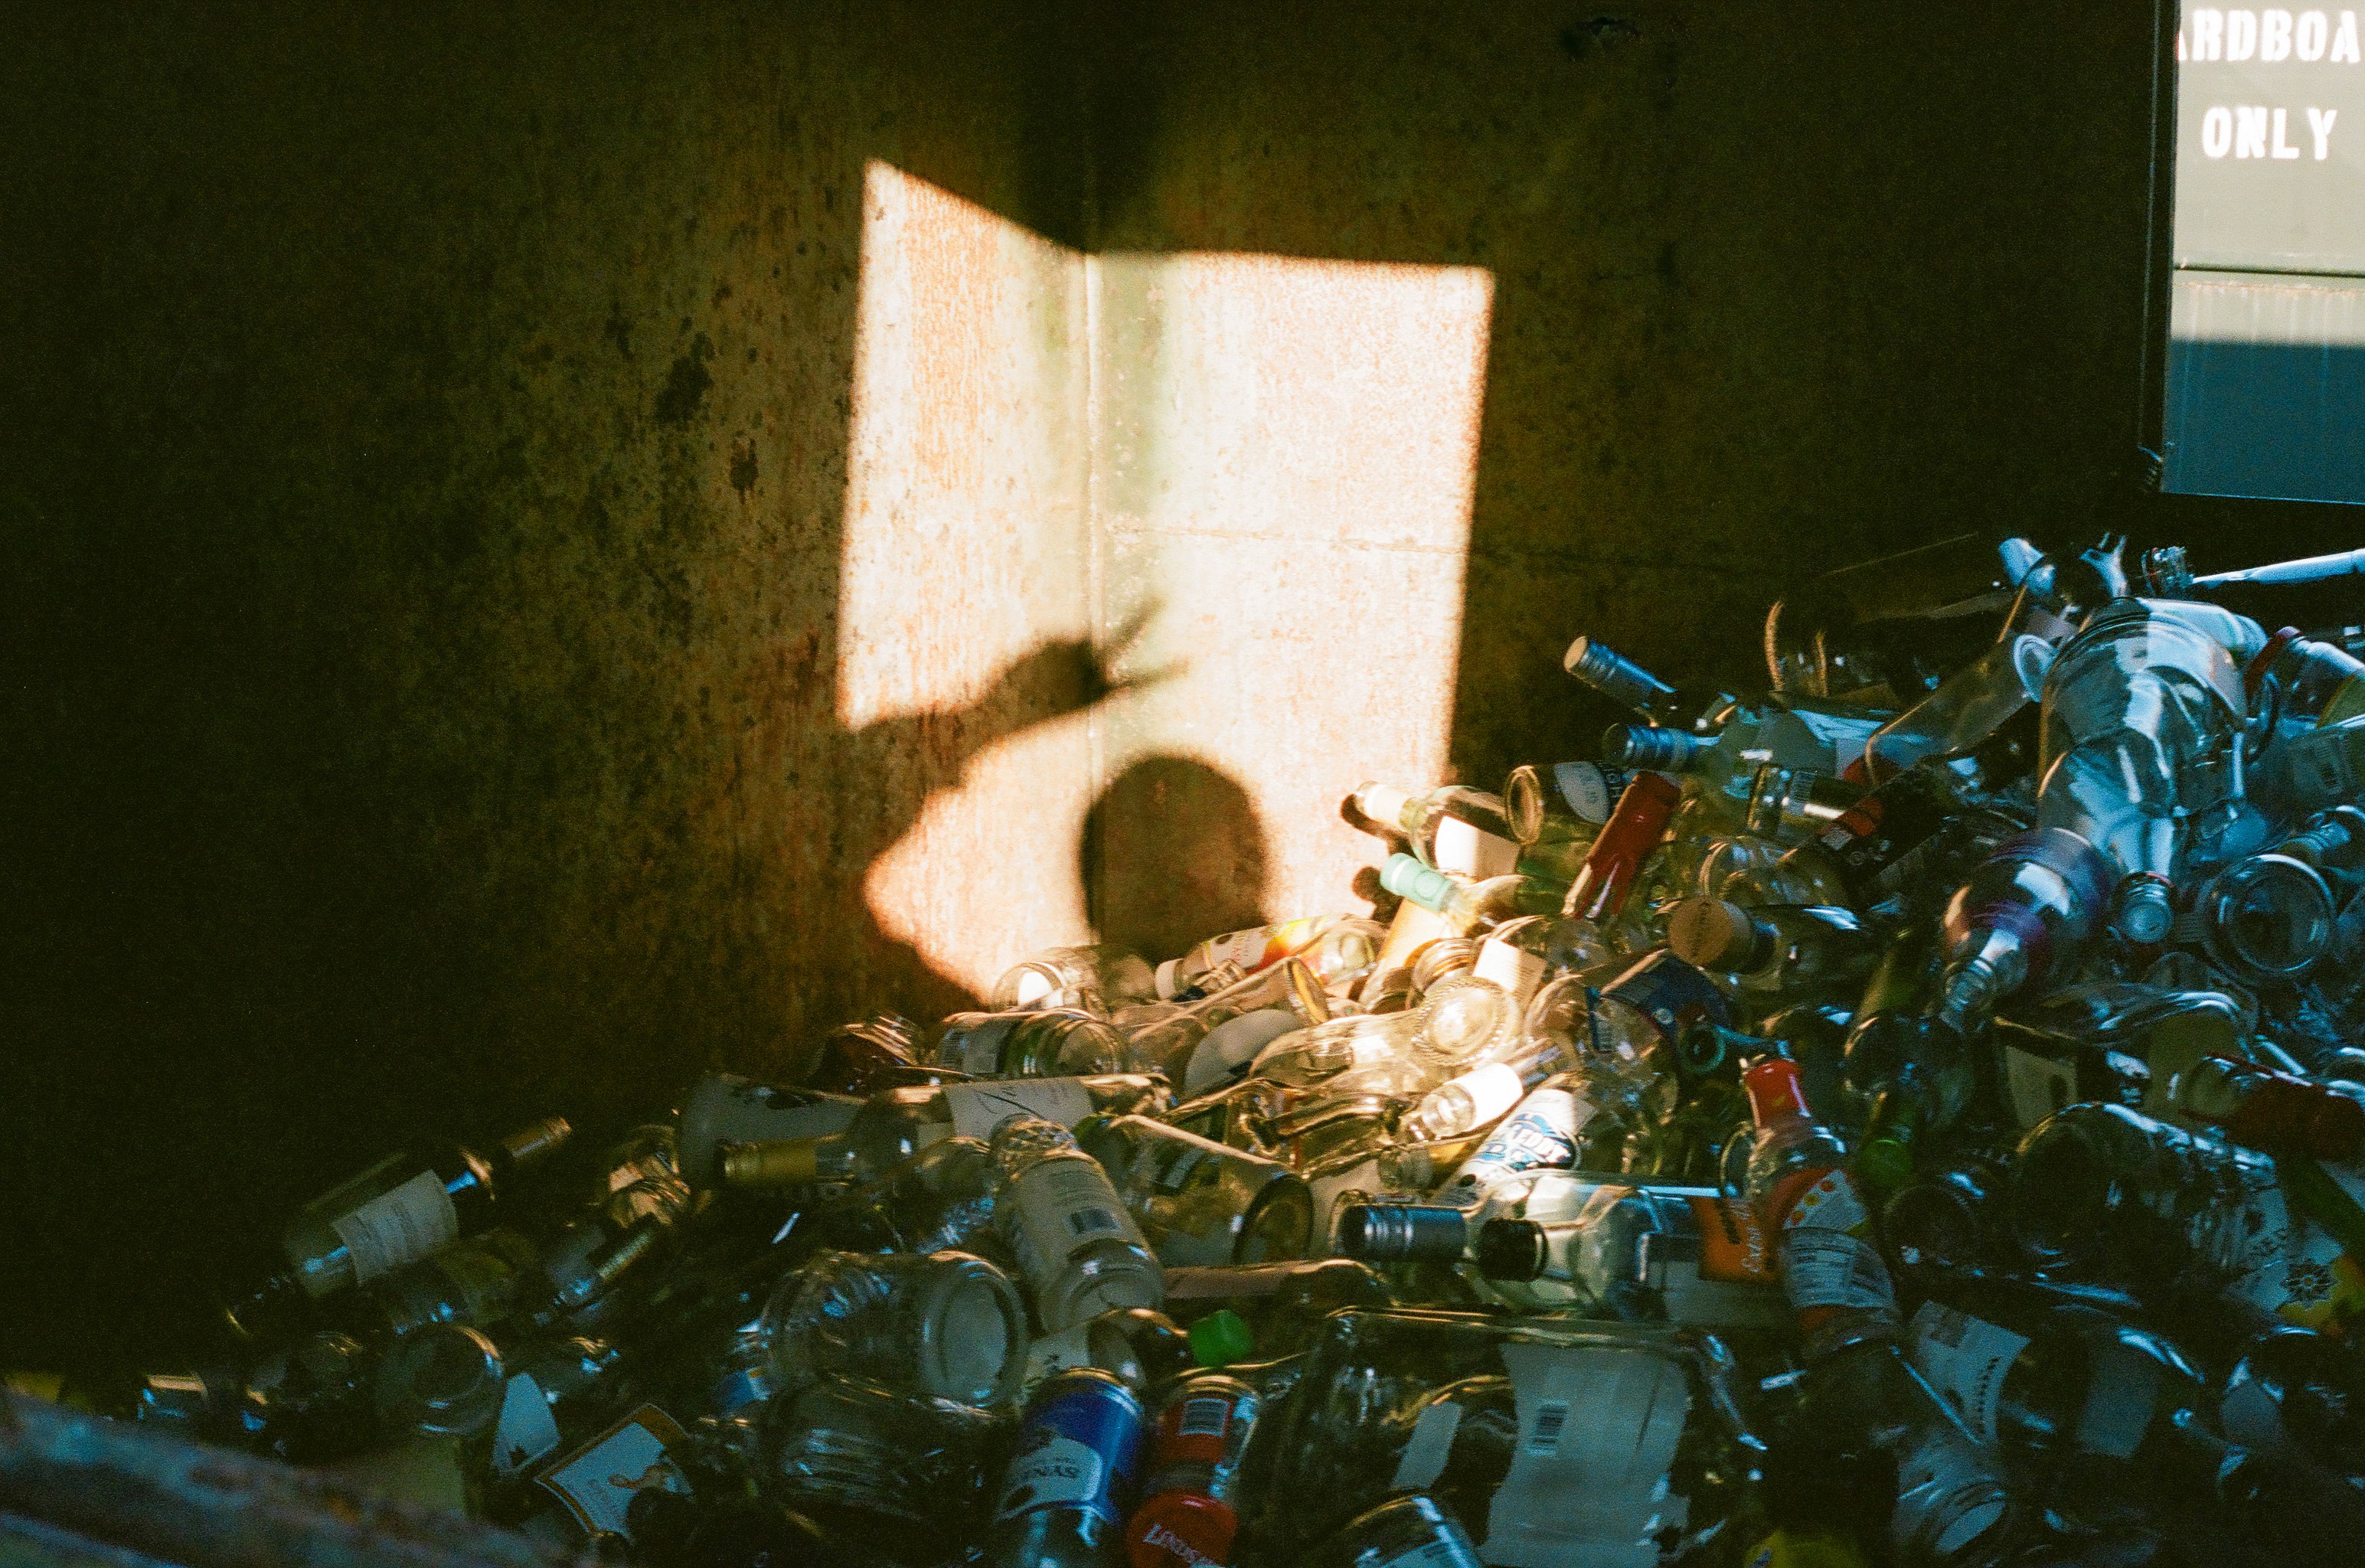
792,1162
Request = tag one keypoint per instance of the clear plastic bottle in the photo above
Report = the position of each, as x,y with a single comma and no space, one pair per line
1078,1248
942,1326
1798,1182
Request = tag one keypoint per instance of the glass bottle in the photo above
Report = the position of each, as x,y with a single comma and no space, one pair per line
1040,1042
2314,680
1200,1044
2332,842
1198,1201
723,1108
476,1282
1541,1131
1645,1254
1094,979
2110,1196
941,1325
875,1465
1789,806
1793,949
2054,1378
2028,912
1968,707
1270,1309
443,1381
1632,686
1806,1200
1636,825
1568,802
1871,838
1464,906
1460,1021
1063,1494
2265,918
1565,1442
1330,944
942,1198
1078,1248
2259,1108
1454,828
1408,1532
1308,1057
396,1213
858,1059
1189,1511
1140,1347
889,1129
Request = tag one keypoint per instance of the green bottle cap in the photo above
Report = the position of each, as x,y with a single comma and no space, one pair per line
1407,877
1221,1338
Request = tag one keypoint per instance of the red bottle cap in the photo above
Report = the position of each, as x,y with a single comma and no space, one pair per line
1180,1529
2254,674
1775,1094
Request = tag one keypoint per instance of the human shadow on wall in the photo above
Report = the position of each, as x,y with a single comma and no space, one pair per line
1173,851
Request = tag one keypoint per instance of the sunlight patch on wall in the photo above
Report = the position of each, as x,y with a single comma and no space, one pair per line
1273,458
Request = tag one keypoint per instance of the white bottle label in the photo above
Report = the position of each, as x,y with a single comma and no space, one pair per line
1057,1207
599,1484
1505,963
1826,1260
527,1429
1598,1429
979,1108
1059,1470
1964,1358
1473,852
1425,1451
1540,1132
398,1226
2036,1085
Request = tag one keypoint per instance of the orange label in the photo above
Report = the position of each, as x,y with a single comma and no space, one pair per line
1733,1244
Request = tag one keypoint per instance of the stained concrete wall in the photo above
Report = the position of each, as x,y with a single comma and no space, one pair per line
459,655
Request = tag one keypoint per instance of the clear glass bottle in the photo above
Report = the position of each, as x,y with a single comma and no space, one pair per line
1790,805
1454,828
1198,1201
1039,1042
722,1108
1095,980
1543,1131
1079,1251
2332,842
2111,1196
1967,710
1308,1057
443,1381
2028,912
1267,1309
1332,945
398,1212
1462,1021
1063,1494
873,1464
1794,951
1140,1348
1464,906
1628,684
887,1129
1189,1511
2265,918
2260,1108
1596,1443
941,1325
1872,838
1615,862
2318,681
475,1282
1408,1532
1644,1253
858,1059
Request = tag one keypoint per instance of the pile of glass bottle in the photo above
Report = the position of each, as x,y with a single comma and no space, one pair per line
1907,1116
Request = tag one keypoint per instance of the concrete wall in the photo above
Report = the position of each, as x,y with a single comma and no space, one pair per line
559,545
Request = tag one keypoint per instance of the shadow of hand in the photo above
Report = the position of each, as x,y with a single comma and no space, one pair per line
1072,673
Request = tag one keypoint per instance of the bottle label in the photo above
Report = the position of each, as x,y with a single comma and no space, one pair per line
600,1480
398,1226
1540,1133
1515,971
1733,1244
527,1431
1473,852
1964,1358
1425,1451
979,1049
1076,1451
1879,830
1827,1261
1207,1417
1057,1207
1047,1355
1671,993
2036,1085
1598,1430
979,1108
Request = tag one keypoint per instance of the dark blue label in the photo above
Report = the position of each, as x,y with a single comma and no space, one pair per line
1076,1450
1671,993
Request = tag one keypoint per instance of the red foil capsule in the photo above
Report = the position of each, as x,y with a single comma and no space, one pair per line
1626,840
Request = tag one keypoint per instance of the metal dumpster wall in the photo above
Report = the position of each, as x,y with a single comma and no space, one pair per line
428,446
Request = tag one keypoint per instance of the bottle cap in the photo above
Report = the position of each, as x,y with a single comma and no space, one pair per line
1180,1529
1885,1162
1395,1233
1221,1338
1407,877
1383,805
1774,1091
1511,1249
1650,746
793,1162
1709,932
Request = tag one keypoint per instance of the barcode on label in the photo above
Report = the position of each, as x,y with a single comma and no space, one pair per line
1084,1222
1551,1417
1205,1418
